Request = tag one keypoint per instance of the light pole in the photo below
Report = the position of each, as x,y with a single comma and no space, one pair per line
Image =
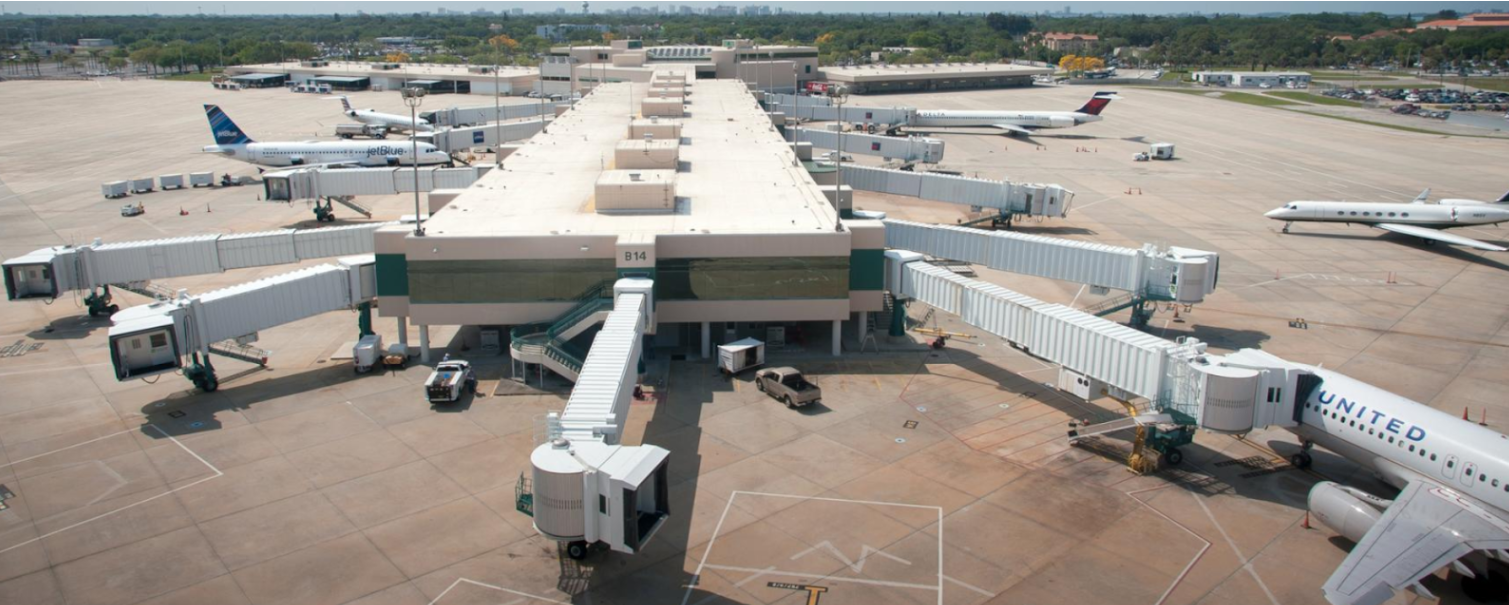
412,97
840,94
497,113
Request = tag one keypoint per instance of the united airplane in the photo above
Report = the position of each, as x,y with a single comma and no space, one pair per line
1415,219
1454,477
1017,122
231,142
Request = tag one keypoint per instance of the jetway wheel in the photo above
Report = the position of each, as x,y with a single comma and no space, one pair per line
577,550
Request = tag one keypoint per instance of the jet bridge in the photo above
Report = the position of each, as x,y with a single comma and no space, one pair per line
452,140
586,487
820,109
471,116
343,183
1173,274
1179,385
172,335
1006,198
51,272
907,149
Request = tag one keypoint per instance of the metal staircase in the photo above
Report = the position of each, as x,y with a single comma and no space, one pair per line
550,344
148,289
243,352
350,202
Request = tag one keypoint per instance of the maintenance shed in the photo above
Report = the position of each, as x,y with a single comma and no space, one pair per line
344,83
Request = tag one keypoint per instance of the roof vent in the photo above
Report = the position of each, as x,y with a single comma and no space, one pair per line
634,176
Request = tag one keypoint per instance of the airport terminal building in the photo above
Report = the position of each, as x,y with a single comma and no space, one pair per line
697,192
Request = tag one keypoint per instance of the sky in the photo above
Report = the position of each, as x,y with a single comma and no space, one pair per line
327,7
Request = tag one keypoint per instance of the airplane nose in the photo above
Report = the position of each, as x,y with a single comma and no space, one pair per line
1275,213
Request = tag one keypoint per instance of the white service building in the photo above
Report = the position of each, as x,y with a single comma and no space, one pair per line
1254,79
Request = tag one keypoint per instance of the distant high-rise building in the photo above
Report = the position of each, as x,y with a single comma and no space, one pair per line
518,11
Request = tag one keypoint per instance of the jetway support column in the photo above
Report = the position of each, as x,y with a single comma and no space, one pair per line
863,325
707,339
403,330
424,344
838,337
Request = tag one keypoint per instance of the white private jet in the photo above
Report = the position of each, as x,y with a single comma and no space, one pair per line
1017,122
1454,477
1417,218
230,141
392,121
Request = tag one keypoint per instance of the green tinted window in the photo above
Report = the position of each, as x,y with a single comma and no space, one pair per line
505,281
752,278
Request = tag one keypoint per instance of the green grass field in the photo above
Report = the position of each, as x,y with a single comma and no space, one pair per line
1383,125
1296,95
204,77
1239,97
1499,84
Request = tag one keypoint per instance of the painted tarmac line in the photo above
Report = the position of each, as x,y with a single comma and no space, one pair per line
704,565
525,595
217,475
823,577
1246,563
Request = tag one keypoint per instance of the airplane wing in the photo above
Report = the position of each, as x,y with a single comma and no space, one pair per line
1424,195
1011,128
1440,236
1428,527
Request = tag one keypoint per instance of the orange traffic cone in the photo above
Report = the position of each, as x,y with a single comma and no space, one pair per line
1306,523
182,212
1464,414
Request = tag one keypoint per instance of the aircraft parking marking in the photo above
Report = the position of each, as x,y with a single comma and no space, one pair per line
522,595
704,565
218,474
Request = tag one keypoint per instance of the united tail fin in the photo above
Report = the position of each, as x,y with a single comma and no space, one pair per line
226,132
1097,103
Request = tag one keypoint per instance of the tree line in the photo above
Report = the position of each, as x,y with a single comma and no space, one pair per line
180,43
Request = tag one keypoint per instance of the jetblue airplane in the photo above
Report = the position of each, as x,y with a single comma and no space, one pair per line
230,141
1455,500
1416,219
390,120
1017,122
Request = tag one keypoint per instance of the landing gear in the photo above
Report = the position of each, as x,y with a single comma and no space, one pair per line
1300,460
1486,586
1286,226
577,550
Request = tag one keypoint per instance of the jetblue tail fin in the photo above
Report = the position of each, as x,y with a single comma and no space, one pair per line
1503,199
226,132
1097,103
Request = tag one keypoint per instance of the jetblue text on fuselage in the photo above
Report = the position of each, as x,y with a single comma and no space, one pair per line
386,150
1355,409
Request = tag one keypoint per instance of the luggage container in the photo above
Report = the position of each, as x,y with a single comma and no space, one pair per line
115,189
141,185
367,353
201,179
170,181
741,355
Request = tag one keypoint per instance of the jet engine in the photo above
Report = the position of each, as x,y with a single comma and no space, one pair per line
1348,511
1060,121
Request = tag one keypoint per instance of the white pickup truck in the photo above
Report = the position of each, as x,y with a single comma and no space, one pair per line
449,380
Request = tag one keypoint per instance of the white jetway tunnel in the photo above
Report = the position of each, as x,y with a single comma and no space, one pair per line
821,109
452,140
171,335
317,183
586,487
1005,197
1175,274
1182,386
471,116
51,272
907,149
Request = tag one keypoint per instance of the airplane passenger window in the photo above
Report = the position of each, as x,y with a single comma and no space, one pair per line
1341,213
1432,457
1390,439
1390,214
1411,448
1451,464
1354,213
1404,214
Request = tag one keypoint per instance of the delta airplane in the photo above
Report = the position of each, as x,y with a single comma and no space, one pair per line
1017,122
231,142
390,120
1454,477
1417,218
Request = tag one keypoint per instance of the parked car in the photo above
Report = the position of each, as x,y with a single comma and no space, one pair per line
788,386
